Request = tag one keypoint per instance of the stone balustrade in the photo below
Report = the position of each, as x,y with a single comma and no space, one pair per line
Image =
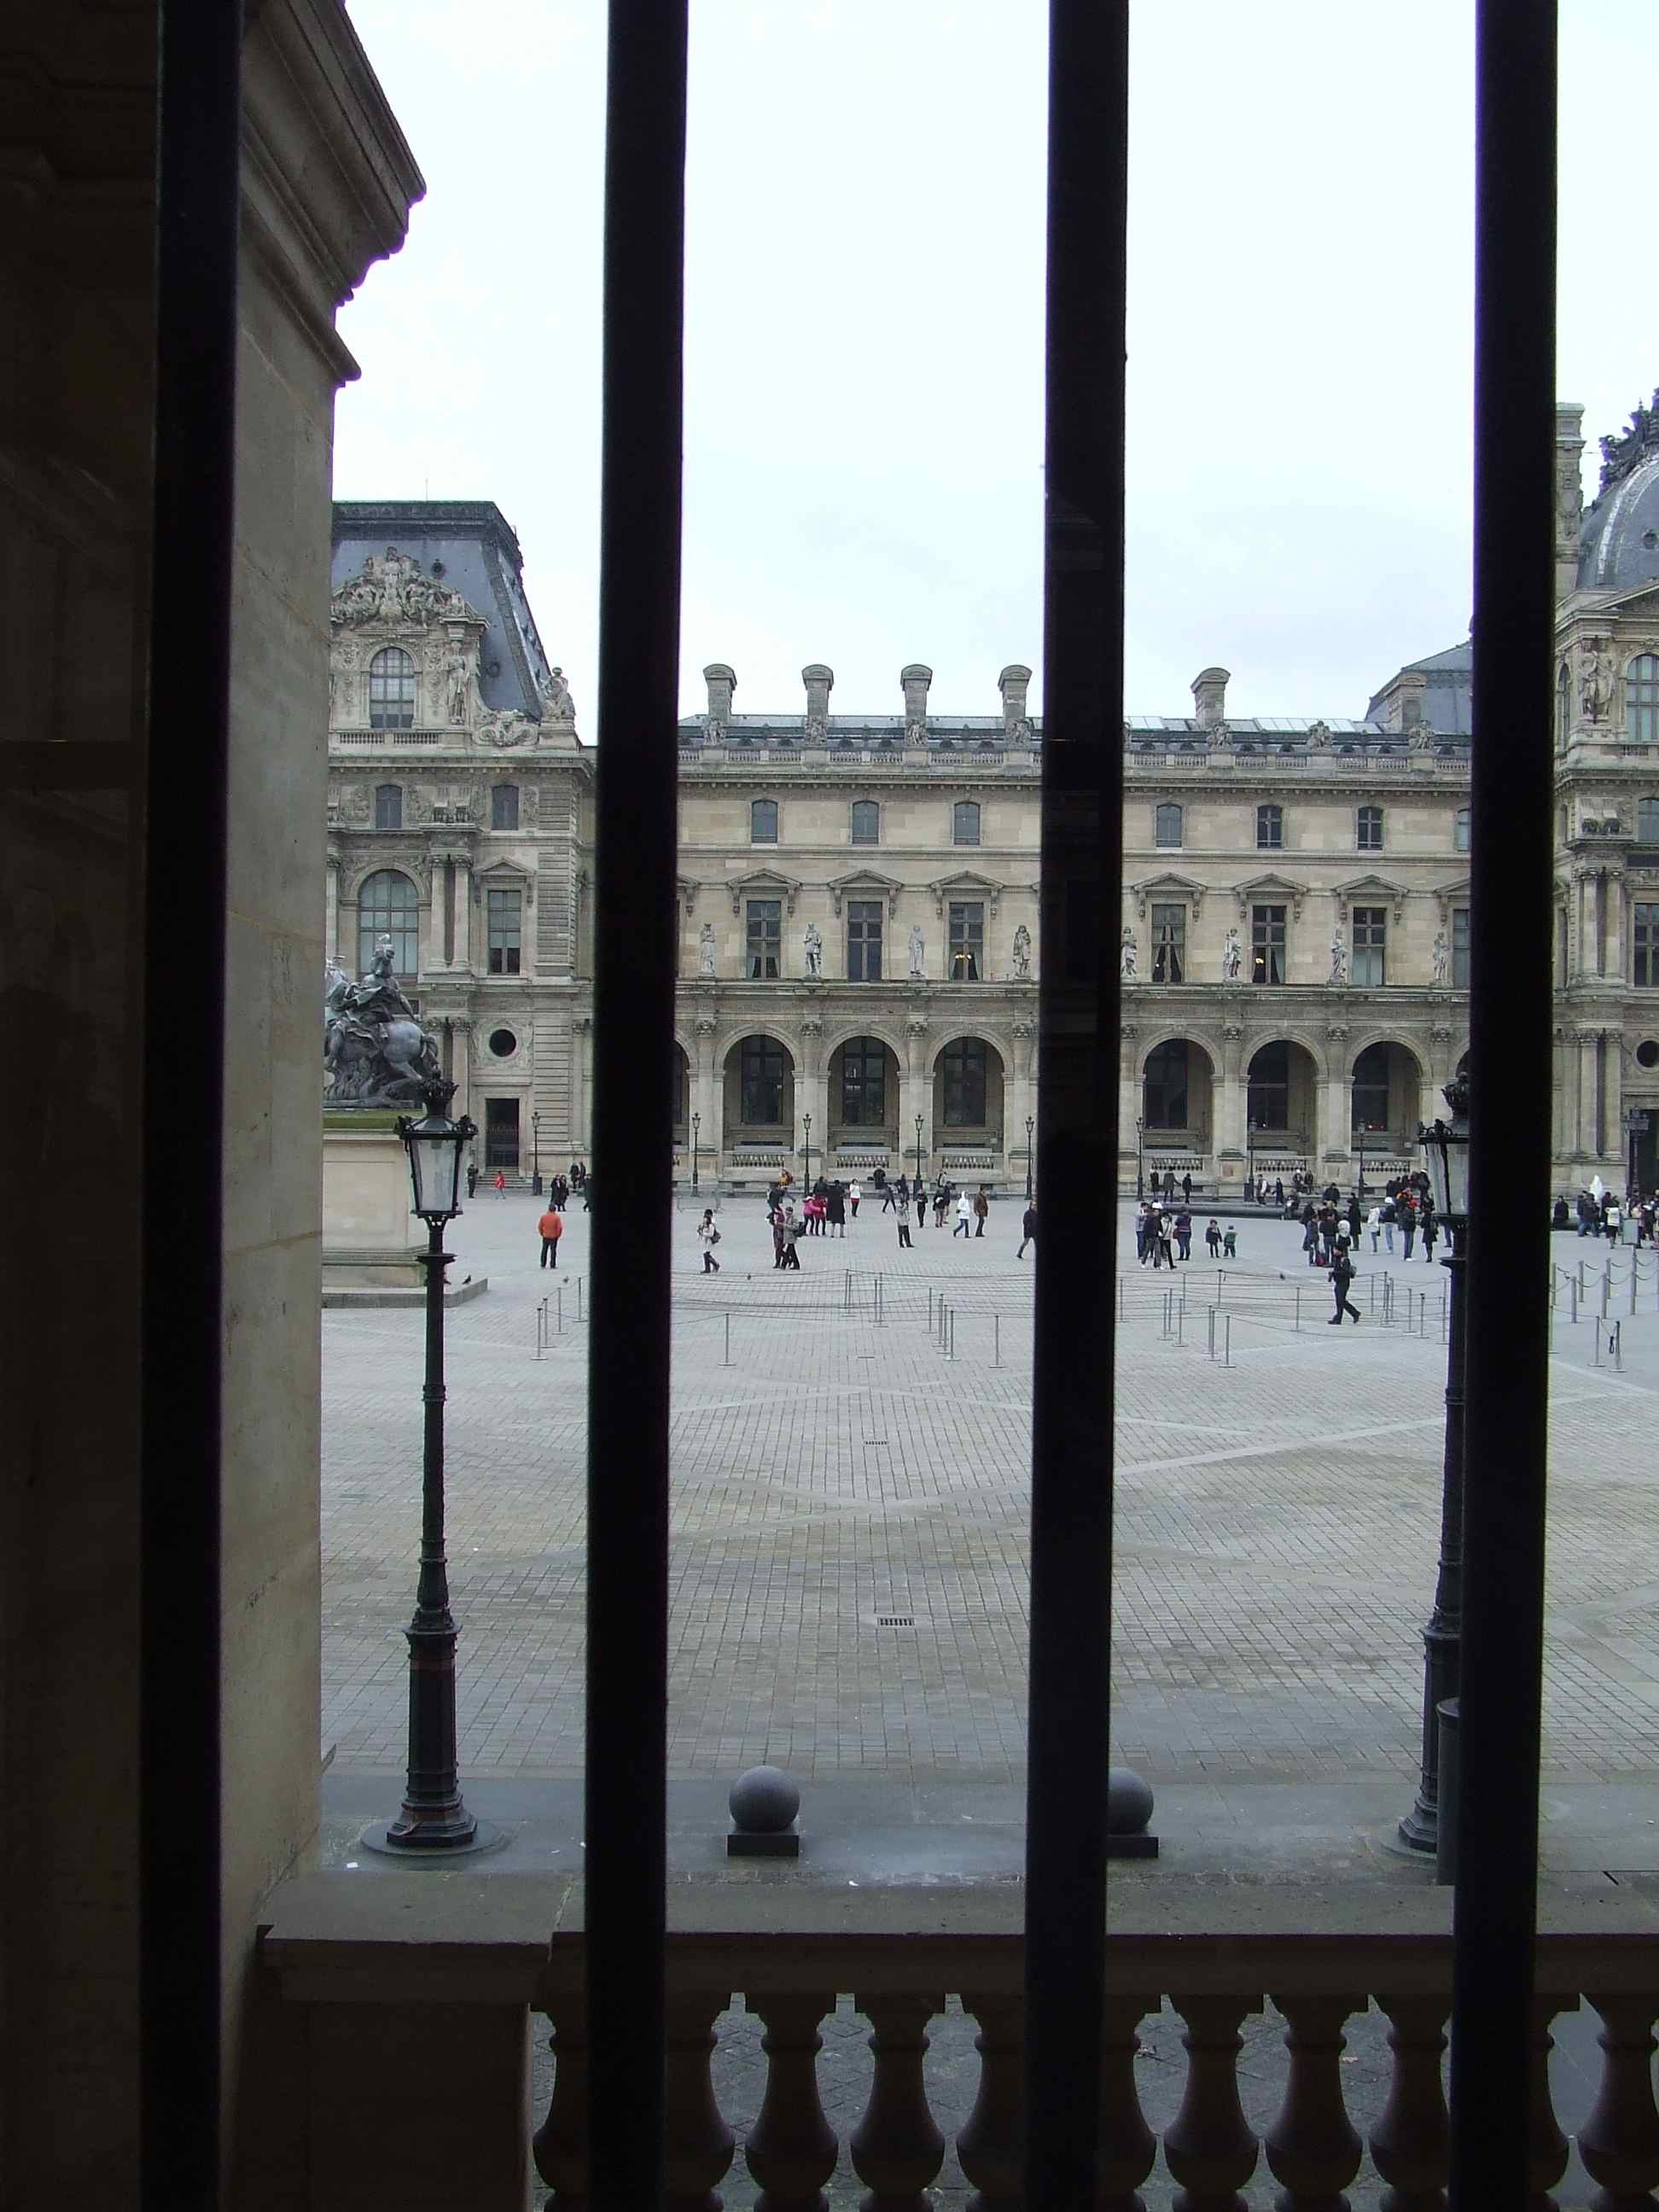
412,1998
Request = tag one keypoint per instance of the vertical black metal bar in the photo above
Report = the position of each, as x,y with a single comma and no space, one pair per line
633,1126
197,208
1077,1095
1507,1323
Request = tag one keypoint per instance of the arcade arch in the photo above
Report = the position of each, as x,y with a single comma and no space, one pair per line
758,1091
1177,1092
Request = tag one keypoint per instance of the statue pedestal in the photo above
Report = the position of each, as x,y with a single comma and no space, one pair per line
370,1237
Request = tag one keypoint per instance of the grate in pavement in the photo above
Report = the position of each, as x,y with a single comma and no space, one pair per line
896,1621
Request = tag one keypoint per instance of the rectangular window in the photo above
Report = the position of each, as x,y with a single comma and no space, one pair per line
765,939
1369,945
967,948
1269,829
1169,945
504,911
964,822
501,1136
1644,938
867,822
962,1084
864,919
1266,944
504,807
1166,826
1460,948
763,821
1370,830
760,1082
388,806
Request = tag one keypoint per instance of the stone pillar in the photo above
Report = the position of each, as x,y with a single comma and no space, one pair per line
917,1091
1618,899
1586,1116
460,1028
581,1034
431,937
331,909
1229,1113
707,1092
1335,1094
461,956
1128,1103
811,1092
1019,1098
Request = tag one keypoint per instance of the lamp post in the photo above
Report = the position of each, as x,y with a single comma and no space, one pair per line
433,1817
535,1150
1141,1162
1030,1124
806,1153
1250,1155
1636,1124
1360,1193
1447,1145
918,1151
696,1125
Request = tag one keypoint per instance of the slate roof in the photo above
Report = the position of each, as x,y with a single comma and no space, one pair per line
1619,541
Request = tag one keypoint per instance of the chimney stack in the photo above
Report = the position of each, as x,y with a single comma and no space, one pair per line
1012,683
820,682
1210,698
722,683
1569,494
916,679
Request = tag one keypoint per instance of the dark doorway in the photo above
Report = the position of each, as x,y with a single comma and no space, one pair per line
501,1136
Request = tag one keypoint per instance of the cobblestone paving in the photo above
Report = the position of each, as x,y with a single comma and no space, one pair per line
1276,1522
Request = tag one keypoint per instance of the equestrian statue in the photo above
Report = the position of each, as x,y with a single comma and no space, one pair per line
374,1051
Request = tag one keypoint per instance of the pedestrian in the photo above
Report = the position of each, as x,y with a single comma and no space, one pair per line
1431,1231
472,1178
1169,1184
854,1194
1230,1243
905,1244
779,1233
835,1210
551,1227
888,1191
709,1236
981,1211
794,1231
921,1207
1374,1223
941,1201
1143,1232
1585,1211
1279,1192
1615,1221
1310,1234
1341,1276
964,1215
1353,1219
500,1183
1390,1214
1186,1190
1027,1230
1166,1239
1212,1238
1408,1224
1183,1233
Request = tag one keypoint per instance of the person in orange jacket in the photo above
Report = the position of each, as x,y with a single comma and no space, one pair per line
552,1226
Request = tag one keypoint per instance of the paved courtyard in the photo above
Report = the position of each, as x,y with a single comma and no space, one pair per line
834,1473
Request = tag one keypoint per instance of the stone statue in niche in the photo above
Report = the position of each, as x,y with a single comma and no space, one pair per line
706,950
1338,955
457,682
1596,684
918,955
1128,955
1022,952
1232,958
557,701
814,947
1442,956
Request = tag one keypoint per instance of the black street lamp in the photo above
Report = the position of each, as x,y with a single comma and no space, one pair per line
433,1817
1447,1145
918,1151
697,1124
535,1150
1030,1124
1140,1161
1360,1193
807,1154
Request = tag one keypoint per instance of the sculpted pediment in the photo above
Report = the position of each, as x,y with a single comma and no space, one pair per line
1278,890
392,590
1370,890
865,883
764,883
1168,885
965,884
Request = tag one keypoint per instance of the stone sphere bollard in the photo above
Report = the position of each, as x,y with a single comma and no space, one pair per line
764,1804
1128,1811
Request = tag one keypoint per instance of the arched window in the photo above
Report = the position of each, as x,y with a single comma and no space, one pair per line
1369,828
867,822
391,689
760,1076
1166,825
1460,822
677,1089
962,1066
762,821
1371,1089
964,822
388,905
1269,832
504,807
864,1083
1647,821
1563,706
1267,1097
388,806
1642,698
1164,1102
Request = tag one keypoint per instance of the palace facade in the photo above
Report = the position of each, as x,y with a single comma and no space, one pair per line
857,893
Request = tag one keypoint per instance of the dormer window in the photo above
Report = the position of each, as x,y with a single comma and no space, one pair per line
391,689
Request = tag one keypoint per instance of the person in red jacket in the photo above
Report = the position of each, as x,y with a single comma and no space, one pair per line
552,1226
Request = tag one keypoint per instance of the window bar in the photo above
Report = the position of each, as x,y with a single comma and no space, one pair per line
198,210
632,1041
1078,1097
1508,1364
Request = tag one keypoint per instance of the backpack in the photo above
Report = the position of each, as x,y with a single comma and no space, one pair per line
713,1234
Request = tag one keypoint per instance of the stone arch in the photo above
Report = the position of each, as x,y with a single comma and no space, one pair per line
759,1095
376,864
1170,1033
1281,1096
956,1033
683,1065
862,1105
1177,1095
1386,1092
964,1085
843,1031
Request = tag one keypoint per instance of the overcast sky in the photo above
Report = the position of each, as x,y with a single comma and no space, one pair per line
864,427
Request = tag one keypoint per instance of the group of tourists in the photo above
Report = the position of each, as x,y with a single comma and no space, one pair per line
1407,1205
1164,1235
1598,1213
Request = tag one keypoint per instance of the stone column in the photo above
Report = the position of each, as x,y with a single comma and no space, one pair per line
707,1092
812,1093
581,1033
1128,1103
1336,1092
331,909
1229,1114
460,1028
1586,1116
1018,1098
431,937
461,956
917,1091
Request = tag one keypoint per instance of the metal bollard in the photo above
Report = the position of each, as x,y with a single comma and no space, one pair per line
1581,1279
1607,1287
1180,1319
881,1318
1632,1289
1298,1305
951,1343
1220,1278
1595,1347
930,1310
1227,1349
996,1340
1212,1312
1617,1347
561,1308
1572,1297
728,1338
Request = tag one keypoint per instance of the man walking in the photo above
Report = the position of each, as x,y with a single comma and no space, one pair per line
1027,1230
981,1211
964,1215
709,1236
1341,1276
551,1227
905,1244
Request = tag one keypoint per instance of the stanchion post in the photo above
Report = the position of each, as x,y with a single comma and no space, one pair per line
1227,1342
996,1340
1298,1305
1572,1299
561,1308
728,1338
1619,1346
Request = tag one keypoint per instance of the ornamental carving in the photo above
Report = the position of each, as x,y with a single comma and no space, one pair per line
1597,678
506,728
916,1025
391,589
705,1025
1628,448
356,806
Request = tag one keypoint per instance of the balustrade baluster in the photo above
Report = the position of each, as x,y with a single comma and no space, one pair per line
699,2142
1547,2160
560,2144
791,2147
1128,2145
1409,2145
992,2144
1208,2147
1311,2147
1619,2142
897,2147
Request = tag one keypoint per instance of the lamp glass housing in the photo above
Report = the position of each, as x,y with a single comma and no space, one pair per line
1446,1144
435,1145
